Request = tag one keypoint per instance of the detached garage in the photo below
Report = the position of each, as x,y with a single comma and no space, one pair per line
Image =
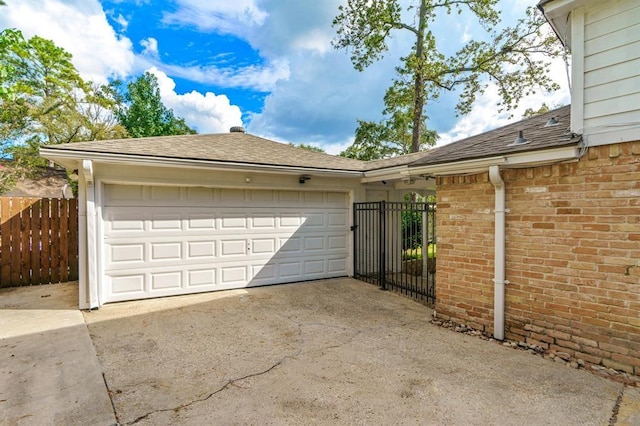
175,215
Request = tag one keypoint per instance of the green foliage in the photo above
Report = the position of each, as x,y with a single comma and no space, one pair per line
38,98
530,112
416,254
142,112
44,101
508,59
308,147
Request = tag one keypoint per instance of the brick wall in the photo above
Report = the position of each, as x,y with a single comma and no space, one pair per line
573,255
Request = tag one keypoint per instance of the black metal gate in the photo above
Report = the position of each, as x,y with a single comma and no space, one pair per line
395,247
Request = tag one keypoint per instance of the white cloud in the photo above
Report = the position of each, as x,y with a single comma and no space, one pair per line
258,77
485,115
124,24
81,28
209,113
223,16
150,47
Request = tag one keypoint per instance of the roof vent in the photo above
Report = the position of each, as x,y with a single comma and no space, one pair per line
552,122
237,129
520,140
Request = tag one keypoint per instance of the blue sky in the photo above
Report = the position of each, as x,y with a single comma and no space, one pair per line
265,64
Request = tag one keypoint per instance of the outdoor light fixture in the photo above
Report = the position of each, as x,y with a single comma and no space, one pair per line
303,178
247,179
552,122
409,180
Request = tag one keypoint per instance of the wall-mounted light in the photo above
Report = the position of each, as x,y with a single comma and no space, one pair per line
303,178
247,179
409,180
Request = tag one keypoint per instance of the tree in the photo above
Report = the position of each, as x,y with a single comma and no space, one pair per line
392,136
44,100
142,112
40,87
308,147
507,59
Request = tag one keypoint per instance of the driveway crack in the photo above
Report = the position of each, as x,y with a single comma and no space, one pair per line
616,407
217,391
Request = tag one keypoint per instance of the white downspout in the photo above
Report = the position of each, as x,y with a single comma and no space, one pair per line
499,260
92,278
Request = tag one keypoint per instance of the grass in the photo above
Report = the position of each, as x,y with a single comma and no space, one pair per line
416,253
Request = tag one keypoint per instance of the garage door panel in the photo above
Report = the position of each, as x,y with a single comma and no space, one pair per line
262,197
233,248
166,251
291,270
314,243
289,245
315,267
126,253
166,280
338,220
168,194
263,246
234,275
165,222
337,242
214,239
337,266
234,221
289,197
201,249
201,222
201,277
130,284
263,221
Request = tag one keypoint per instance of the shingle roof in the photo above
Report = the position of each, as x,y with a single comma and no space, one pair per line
242,148
224,147
499,141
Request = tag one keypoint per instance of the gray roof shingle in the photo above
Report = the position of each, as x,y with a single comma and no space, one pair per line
499,141
242,148
234,147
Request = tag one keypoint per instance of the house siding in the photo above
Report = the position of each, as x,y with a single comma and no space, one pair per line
611,87
572,249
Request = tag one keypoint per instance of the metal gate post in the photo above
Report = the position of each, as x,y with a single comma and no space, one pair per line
354,229
382,247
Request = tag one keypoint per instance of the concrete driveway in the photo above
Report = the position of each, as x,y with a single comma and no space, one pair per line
328,352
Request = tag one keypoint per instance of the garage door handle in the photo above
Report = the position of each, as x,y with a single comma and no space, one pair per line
353,227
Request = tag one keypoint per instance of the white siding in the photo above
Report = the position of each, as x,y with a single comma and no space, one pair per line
611,66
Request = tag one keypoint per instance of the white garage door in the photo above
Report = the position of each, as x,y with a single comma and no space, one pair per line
162,241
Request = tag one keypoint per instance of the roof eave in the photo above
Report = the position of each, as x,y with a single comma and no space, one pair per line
558,15
70,159
517,160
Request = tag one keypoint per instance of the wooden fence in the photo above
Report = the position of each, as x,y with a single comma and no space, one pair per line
38,241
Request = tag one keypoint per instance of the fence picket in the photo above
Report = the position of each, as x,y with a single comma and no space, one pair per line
55,235
16,261
73,239
36,241
64,242
5,242
45,257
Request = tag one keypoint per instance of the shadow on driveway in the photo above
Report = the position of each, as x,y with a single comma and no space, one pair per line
327,352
